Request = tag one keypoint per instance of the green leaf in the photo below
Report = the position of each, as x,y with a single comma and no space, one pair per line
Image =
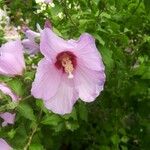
72,125
16,85
53,120
26,111
101,41
83,113
36,146
147,5
115,139
107,58
72,115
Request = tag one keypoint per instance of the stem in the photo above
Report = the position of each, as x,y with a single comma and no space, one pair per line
31,137
33,132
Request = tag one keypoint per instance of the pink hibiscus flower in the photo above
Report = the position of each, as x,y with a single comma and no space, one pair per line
12,59
70,70
31,43
8,118
6,90
4,145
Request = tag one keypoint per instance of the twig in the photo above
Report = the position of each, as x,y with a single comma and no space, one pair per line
33,132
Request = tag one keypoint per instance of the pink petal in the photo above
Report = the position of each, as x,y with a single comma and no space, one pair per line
85,50
12,59
64,99
51,44
8,118
31,46
6,90
48,24
31,35
46,81
48,1
89,83
4,145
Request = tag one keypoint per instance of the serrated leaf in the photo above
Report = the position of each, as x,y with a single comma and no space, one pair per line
51,120
17,86
26,111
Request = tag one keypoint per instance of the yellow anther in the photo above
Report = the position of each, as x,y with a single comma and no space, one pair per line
68,66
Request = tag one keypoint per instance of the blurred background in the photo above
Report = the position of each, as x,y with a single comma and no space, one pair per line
120,117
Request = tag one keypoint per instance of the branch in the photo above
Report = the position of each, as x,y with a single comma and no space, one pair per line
33,132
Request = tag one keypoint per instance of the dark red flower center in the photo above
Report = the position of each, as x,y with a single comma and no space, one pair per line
67,61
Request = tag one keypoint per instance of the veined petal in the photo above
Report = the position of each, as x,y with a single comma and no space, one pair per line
31,35
46,81
8,118
89,83
11,58
31,46
86,50
63,101
6,90
4,145
51,44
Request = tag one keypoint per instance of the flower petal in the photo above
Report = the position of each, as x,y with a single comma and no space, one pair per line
64,99
4,145
31,35
51,44
6,90
86,50
89,83
48,24
8,118
31,46
46,81
11,58
48,1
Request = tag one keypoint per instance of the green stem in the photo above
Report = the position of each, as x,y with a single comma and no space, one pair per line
33,132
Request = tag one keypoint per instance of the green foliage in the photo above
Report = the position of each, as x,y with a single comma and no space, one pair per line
119,118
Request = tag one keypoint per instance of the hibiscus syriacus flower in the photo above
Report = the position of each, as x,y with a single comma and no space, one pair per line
6,90
8,118
31,43
11,58
4,145
70,70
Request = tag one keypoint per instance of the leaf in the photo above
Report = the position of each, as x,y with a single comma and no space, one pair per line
147,5
107,58
53,120
26,111
72,115
83,113
72,125
36,146
101,41
16,85
115,139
